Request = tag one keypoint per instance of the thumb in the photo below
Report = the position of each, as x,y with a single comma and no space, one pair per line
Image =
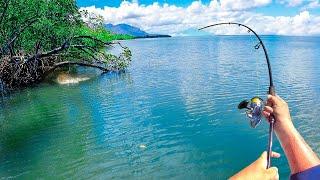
272,170
272,100
263,155
263,159
273,173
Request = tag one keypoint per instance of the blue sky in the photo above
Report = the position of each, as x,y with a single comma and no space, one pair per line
176,16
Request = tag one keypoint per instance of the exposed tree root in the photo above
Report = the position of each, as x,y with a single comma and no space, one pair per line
19,71
15,74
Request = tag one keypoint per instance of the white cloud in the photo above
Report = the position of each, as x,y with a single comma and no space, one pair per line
171,19
306,4
243,4
312,4
291,3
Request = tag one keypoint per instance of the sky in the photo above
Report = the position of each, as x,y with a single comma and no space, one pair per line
182,17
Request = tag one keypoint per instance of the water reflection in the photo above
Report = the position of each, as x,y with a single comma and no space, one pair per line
179,99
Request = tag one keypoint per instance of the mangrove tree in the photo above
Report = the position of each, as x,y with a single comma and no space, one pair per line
39,36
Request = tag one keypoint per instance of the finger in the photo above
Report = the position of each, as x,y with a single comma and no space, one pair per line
280,99
272,100
275,154
268,109
273,171
264,157
266,114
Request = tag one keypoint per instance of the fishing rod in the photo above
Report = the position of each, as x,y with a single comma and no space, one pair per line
255,105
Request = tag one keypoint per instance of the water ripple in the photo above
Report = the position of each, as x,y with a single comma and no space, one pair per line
171,115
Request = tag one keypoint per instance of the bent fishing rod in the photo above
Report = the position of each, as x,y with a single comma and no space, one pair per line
255,105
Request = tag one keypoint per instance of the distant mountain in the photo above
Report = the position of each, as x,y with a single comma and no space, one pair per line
131,30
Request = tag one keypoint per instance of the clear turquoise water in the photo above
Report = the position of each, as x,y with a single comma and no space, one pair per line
171,115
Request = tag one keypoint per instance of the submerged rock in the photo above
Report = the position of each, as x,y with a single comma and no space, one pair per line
64,78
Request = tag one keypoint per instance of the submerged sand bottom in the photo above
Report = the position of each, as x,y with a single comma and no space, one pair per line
65,78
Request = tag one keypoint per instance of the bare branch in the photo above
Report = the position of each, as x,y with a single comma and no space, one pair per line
68,63
67,45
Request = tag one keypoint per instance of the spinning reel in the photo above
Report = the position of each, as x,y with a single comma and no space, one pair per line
254,109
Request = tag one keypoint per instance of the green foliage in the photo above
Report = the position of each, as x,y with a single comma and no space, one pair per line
49,22
102,34
32,26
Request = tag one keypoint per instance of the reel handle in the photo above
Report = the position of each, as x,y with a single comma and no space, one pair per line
271,130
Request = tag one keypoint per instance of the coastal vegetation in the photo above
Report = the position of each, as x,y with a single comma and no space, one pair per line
39,36
136,32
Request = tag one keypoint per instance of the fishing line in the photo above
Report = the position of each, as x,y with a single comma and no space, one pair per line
256,75
253,113
255,105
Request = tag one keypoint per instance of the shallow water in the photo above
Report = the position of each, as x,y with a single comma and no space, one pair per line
171,115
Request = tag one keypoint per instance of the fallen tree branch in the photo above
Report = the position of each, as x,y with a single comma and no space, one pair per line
68,63
67,45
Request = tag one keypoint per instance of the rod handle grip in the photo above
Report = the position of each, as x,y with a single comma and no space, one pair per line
271,129
272,91
269,151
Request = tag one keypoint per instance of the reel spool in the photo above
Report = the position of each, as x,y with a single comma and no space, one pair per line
254,109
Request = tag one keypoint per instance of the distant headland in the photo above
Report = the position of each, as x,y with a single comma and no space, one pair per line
132,31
